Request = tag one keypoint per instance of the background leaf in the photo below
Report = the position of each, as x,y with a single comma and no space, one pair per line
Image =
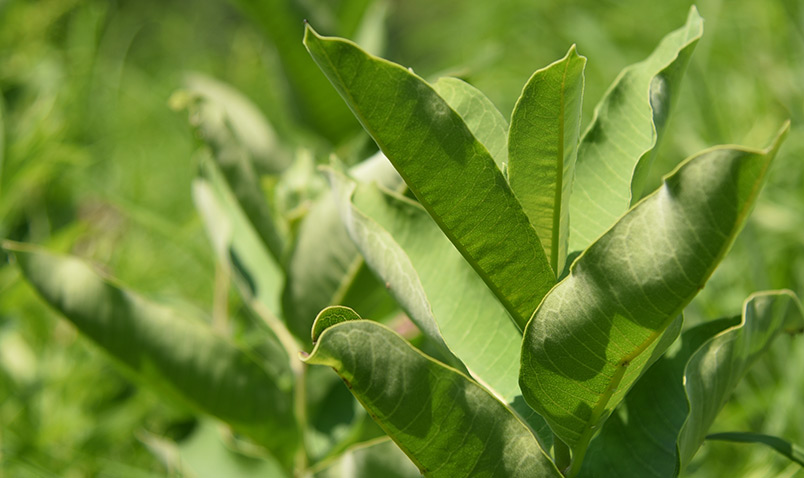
793,452
428,408
542,147
601,327
446,167
369,460
618,147
325,267
179,356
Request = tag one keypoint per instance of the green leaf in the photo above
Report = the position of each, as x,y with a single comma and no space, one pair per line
434,284
791,451
542,147
225,119
229,124
446,167
599,328
380,458
204,454
714,371
236,242
617,149
325,267
640,439
181,357
446,423
482,118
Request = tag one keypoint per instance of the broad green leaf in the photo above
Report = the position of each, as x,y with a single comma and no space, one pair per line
434,284
325,267
482,118
640,439
446,423
598,329
715,369
542,147
446,167
380,458
617,149
789,450
181,357
235,240
315,101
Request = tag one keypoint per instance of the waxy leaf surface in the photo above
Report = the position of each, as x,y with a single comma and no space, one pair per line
542,147
641,438
446,167
446,423
617,149
180,356
596,331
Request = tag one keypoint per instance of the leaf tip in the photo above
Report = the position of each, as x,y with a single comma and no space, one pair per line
331,316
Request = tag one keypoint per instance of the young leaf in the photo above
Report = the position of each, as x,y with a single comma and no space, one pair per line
640,439
542,146
179,356
446,167
482,118
789,450
596,331
445,422
618,147
440,291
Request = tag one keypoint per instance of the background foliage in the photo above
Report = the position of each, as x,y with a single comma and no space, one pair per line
92,161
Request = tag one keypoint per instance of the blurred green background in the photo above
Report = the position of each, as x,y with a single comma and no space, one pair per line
93,161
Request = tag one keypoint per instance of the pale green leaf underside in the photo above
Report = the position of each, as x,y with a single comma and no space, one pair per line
789,450
447,168
640,439
542,147
616,150
180,356
591,337
440,289
449,425
482,118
